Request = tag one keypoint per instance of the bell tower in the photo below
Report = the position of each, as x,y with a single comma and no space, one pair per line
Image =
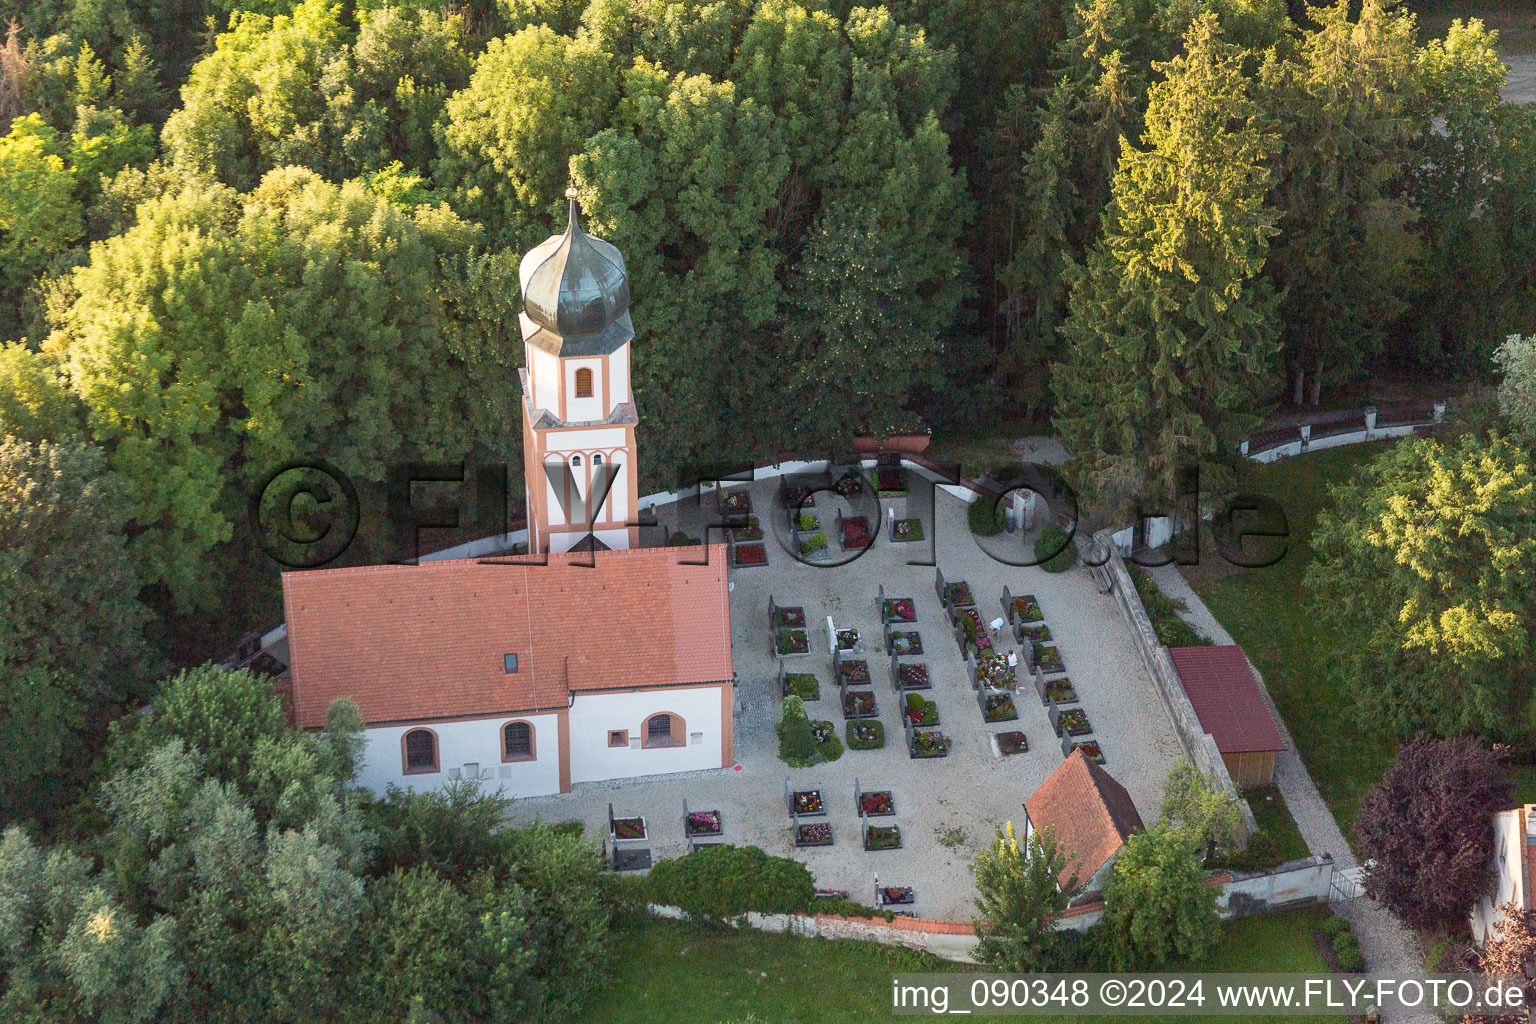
579,413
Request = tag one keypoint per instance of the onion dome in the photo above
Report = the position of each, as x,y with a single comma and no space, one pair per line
575,292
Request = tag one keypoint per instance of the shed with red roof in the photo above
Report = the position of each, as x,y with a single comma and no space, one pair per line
1231,707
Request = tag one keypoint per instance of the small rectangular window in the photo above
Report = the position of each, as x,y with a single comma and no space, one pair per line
510,662
618,738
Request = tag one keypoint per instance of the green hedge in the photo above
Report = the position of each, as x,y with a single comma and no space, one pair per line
728,881
723,882
1054,538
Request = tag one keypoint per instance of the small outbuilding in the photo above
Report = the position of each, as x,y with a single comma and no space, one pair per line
1226,697
1090,814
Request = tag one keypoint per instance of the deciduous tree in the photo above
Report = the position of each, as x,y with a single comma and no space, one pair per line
1425,829
1019,895
1423,562
1158,908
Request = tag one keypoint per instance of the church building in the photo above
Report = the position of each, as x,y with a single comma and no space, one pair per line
534,673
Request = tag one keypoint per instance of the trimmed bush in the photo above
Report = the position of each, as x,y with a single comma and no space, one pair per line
727,881
1347,948
1054,538
986,516
1336,925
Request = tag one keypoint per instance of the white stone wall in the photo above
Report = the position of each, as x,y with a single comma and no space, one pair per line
1508,849
467,742
593,716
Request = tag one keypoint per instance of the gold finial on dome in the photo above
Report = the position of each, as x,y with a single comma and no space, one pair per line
570,193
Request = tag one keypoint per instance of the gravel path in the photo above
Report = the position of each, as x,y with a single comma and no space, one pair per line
946,808
1390,948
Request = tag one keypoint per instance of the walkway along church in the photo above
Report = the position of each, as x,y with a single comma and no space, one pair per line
529,676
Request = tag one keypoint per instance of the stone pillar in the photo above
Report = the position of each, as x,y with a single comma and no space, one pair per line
1306,435
1439,412
1370,421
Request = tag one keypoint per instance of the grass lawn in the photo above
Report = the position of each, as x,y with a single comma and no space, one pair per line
669,971
1275,821
1268,612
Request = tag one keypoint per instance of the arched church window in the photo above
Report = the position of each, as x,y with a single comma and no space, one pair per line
576,461
597,460
583,383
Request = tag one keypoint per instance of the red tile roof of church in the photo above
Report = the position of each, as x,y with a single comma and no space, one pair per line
420,642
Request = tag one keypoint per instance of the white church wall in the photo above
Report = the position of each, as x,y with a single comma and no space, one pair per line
586,440
475,742
546,379
618,377
594,715
584,410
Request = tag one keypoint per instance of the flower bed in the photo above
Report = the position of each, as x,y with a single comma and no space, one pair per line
958,593
1012,743
815,544
799,498
848,639
908,529
750,554
865,735
969,621
905,642
999,708
1037,634
803,685
920,712
856,533
629,828
815,834
792,617
900,609
1073,722
1048,658
856,672
896,895
808,802
930,744
858,704
891,480
1091,748
976,645
992,669
877,804
753,530
807,522
735,503
882,837
791,641
849,484
1025,609
913,677
1060,690
702,823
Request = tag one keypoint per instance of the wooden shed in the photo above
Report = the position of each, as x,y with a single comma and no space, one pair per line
1226,696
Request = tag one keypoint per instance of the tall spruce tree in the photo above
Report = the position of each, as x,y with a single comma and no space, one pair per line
1171,330
1341,259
